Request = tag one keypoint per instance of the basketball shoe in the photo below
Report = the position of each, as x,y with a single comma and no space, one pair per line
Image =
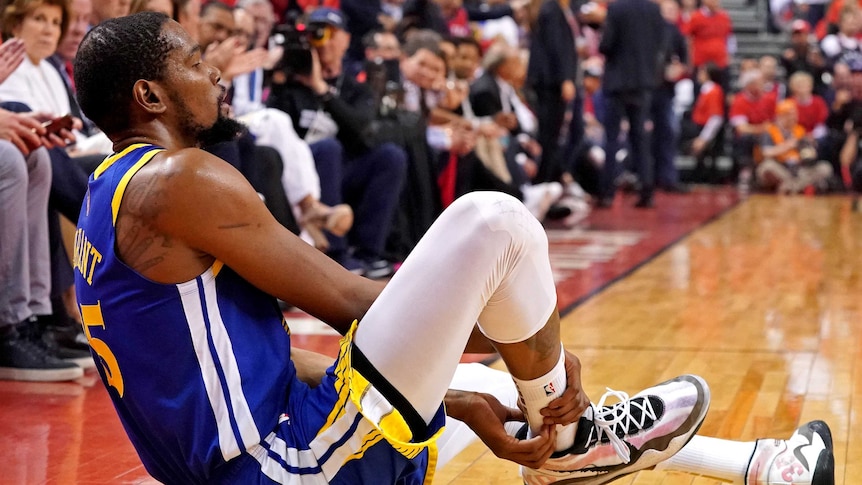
631,435
805,459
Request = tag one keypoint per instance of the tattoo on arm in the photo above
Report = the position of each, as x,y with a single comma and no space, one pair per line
137,240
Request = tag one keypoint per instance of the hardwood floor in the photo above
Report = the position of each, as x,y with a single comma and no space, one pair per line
764,303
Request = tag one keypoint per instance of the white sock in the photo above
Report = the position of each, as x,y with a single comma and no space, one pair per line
724,460
537,393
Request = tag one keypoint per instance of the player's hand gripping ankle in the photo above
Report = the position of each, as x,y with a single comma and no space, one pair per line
569,407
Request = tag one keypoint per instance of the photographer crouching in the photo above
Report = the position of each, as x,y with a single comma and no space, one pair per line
333,112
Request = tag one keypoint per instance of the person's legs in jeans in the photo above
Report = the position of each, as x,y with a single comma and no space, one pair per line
14,249
372,186
25,266
329,160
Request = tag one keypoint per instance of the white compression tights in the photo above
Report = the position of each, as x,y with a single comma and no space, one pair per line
484,260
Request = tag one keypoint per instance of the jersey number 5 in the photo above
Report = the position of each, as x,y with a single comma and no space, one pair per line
92,317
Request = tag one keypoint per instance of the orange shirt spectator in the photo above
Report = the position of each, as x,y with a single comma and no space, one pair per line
775,136
709,31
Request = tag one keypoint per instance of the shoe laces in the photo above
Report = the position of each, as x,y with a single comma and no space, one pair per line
608,419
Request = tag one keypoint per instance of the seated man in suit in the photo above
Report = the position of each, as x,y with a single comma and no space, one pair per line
494,97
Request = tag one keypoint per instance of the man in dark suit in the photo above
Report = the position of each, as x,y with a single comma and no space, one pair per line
494,96
665,125
633,46
552,75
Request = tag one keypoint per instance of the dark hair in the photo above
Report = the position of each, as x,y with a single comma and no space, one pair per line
206,7
113,56
713,72
459,41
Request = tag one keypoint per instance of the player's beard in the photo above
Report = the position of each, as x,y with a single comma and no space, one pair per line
224,128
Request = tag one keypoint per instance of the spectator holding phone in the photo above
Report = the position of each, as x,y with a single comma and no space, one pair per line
40,24
25,182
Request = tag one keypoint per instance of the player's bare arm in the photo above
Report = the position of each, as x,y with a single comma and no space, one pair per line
216,215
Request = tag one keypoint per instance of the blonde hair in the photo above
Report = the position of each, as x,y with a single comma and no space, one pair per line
799,77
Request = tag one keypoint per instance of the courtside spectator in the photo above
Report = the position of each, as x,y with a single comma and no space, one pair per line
843,46
803,54
750,113
333,113
701,131
789,157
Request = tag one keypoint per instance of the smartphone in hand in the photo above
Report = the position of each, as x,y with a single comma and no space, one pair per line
57,124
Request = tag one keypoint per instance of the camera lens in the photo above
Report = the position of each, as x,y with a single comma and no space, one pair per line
318,32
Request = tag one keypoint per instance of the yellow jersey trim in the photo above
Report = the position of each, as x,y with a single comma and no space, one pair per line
109,160
391,427
121,187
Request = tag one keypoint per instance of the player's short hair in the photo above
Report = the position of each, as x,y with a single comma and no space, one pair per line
113,56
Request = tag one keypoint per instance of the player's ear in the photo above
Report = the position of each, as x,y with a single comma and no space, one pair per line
150,96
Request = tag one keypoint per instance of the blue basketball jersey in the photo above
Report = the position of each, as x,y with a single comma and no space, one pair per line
201,377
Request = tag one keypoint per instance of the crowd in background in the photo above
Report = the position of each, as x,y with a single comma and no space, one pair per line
366,118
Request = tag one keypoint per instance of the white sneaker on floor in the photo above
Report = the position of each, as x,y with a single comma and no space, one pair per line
631,435
805,459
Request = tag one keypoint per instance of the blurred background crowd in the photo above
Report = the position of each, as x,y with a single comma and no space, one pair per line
366,118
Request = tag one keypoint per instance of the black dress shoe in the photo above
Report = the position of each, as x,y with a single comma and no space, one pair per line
645,202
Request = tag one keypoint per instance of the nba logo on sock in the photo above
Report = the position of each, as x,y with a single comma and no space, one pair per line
549,389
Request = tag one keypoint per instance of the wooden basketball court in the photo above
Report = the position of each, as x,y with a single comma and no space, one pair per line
764,303
761,298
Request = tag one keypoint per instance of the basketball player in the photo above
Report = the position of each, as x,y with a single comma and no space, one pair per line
178,263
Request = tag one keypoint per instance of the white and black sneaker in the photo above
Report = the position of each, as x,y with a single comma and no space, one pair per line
631,435
805,459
